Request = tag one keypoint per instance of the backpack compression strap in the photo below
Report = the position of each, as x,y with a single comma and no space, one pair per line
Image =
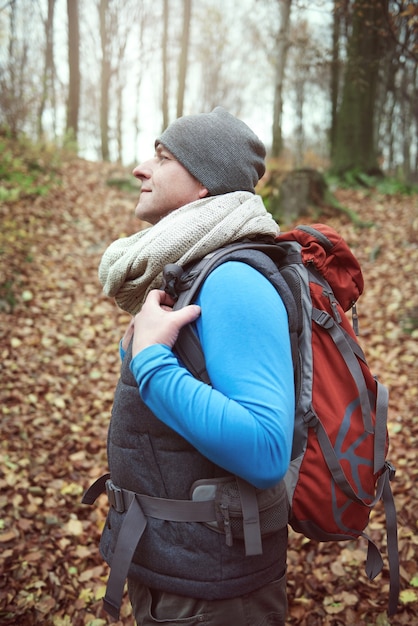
137,508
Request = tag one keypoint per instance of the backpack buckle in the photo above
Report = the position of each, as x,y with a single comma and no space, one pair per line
391,469
115,497
311,419
322,318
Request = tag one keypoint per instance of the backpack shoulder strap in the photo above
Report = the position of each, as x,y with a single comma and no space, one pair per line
185,285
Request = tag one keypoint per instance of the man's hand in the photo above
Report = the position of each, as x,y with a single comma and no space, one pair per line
158,323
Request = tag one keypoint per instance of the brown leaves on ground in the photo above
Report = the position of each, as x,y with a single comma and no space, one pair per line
59,365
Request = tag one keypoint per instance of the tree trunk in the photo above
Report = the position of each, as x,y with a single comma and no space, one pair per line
299,131
164,46
406,123
48,74
17,105
104,80
335,71
390,139
356,144
119,120
140,25
414,173
73,102
299,191
187,9
282,48
120,80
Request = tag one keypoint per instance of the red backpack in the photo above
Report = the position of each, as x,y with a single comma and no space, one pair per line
338,470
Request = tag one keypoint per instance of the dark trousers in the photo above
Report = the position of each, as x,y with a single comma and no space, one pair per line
264,607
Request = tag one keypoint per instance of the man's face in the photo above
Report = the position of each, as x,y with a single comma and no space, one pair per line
166,186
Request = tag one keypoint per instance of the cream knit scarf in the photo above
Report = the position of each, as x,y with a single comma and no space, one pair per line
132,266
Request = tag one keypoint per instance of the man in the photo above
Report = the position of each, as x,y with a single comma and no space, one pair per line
169,430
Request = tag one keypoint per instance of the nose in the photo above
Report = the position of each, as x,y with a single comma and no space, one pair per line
143,170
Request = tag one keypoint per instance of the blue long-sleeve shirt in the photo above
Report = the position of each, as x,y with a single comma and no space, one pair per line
244,421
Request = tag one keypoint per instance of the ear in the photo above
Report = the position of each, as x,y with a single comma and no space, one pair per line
203,192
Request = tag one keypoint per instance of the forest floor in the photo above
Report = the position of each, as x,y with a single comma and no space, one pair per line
59,366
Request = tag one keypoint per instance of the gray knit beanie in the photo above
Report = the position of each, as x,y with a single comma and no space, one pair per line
218,149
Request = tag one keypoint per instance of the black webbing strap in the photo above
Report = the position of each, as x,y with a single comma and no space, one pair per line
374,562
251,517
382,401
392,542
325,320
130,533
161,508
355,346
349,350
338,473
189,350
380,430
95,490
138,507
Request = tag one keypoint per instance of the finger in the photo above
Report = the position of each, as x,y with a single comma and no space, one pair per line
157,296
168,300
186,315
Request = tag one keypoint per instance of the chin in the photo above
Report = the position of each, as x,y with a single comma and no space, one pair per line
140,212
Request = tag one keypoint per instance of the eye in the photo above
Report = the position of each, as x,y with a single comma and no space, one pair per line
161,155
